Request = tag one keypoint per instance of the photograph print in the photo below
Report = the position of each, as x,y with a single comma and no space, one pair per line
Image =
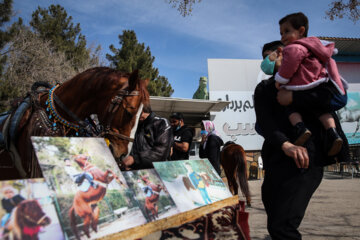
192,183
28,211
349,117
151,194
93,197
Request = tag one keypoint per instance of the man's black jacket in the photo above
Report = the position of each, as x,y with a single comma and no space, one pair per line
153,141
276,128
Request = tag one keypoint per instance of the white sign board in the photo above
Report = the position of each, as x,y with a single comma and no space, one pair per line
235,80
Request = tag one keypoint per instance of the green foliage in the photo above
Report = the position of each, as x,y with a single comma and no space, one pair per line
116,199
54,24
170,173
6,32
160,87
134,55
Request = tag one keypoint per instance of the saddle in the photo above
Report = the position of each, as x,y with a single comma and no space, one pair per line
10,122
14,119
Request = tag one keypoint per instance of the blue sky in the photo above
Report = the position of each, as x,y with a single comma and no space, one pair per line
235,29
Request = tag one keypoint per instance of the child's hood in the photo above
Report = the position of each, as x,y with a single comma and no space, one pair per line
323,50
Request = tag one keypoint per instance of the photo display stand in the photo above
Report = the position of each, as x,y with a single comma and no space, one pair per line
172,221
127,205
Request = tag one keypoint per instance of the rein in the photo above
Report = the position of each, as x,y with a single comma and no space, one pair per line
114,106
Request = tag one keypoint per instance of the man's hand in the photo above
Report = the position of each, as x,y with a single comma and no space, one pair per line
284,97
298,153
128,161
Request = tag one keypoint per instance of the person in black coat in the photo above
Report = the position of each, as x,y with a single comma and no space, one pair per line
292,173
210,144
152,143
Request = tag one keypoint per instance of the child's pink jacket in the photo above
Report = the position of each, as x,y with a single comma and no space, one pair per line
307,63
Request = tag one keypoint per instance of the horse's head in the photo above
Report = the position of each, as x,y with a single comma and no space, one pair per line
30,214
82,160
125,119
115,97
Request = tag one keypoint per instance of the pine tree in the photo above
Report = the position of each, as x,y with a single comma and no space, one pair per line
134,55
6,32
54,24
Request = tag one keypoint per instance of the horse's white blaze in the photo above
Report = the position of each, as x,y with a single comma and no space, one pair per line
133,130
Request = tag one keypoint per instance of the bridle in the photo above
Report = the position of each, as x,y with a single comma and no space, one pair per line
37,222
83,126
113,108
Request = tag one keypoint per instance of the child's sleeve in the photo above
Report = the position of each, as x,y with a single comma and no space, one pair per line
293,55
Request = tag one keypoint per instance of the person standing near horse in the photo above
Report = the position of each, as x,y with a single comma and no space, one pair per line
292,173
153,141
77,176
210,144
9,202
183,136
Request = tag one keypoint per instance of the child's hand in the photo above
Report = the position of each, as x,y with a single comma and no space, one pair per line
273,56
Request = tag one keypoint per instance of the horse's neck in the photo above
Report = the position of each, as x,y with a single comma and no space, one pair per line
79,102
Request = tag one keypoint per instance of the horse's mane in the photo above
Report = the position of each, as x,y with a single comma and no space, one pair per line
106,79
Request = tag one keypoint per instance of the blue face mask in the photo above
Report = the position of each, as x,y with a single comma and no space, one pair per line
204,132
268,66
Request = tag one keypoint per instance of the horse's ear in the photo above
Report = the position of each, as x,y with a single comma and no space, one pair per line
134,79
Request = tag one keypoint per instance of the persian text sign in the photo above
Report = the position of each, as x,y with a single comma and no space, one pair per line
236,122
234,80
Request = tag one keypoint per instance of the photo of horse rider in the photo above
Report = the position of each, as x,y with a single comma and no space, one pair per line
77,176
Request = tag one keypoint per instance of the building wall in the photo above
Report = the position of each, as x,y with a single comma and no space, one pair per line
349,71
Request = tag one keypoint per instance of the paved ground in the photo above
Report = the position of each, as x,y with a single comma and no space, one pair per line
333,212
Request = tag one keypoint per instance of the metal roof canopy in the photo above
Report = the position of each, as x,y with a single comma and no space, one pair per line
345,46
194,110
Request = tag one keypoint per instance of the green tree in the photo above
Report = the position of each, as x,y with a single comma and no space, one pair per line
54,24
6,32
134,55
341,8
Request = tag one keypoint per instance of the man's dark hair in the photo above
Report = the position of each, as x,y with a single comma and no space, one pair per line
177,116
271,46
65,159
297,20
147,108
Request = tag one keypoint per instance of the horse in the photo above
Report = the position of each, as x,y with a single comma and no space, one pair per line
151,207
84,203
233,161
111,97
27,219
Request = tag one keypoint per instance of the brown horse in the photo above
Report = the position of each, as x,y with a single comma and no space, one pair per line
113,96
27,219
84,204
151,207
233,161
